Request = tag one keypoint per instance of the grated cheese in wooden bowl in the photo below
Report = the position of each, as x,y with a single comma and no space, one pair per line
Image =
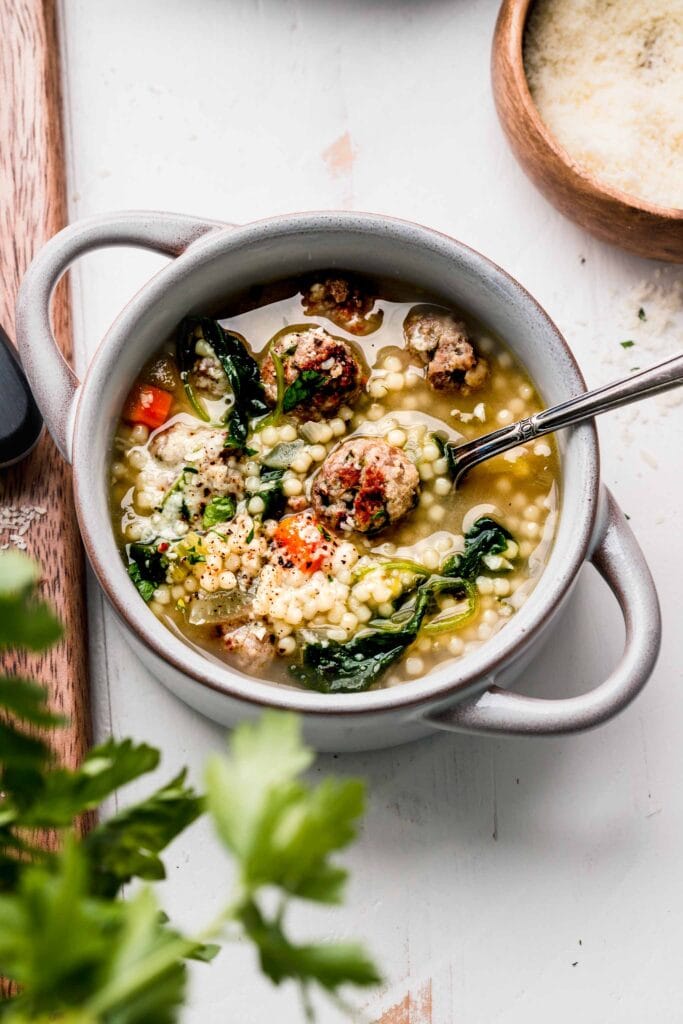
607,79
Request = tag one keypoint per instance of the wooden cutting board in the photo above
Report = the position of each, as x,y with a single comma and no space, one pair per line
37,492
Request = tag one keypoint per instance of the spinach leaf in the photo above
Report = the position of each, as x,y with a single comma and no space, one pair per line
147,568
351,667
271,492
244,376
486,537
239,366
191,330
303,388
218,510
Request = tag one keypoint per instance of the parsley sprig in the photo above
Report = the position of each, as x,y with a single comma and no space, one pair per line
77,951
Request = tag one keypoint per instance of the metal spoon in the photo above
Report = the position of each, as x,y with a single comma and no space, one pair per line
20,422
663,377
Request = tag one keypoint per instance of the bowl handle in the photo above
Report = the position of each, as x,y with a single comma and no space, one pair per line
621,563
55,385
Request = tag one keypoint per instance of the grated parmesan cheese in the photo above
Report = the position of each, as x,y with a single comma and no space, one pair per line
607,79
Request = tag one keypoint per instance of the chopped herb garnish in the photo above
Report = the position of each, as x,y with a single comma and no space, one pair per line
627,344
218,510
147,568
378,520
641,314
194,557
302,389
250,535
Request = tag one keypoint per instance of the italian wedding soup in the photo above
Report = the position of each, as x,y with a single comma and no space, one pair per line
280,484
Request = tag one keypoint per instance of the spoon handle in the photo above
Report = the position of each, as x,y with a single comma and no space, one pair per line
656,379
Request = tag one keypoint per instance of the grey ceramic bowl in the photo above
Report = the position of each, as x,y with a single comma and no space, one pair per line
212,261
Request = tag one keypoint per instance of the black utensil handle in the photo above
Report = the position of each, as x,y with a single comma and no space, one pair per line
20,421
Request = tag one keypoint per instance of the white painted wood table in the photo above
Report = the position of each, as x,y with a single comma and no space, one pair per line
507,881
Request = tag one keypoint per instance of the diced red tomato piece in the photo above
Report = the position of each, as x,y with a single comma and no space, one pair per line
305,542
149,405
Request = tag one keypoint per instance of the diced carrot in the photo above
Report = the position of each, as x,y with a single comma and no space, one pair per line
149,405
304,541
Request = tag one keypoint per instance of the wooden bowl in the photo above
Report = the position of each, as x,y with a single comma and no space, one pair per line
630,223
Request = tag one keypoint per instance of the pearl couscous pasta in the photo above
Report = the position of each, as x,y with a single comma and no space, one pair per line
281,487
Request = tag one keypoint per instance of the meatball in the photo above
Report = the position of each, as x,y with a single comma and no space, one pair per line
438,339
208,376
326,370
366,484
344,304
251,644
203,449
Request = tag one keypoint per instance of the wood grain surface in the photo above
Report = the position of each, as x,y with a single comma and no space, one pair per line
32,209
610,215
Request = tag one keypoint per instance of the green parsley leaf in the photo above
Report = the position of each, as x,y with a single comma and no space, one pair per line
67,793
264,758
24,620
218,510
18,574
147,568
302,389
128,844
329,964
284,833
627,344
28,701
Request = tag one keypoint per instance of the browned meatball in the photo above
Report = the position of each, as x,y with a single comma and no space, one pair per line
441,341
345,304
365,485
251,644
321,372
208,376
